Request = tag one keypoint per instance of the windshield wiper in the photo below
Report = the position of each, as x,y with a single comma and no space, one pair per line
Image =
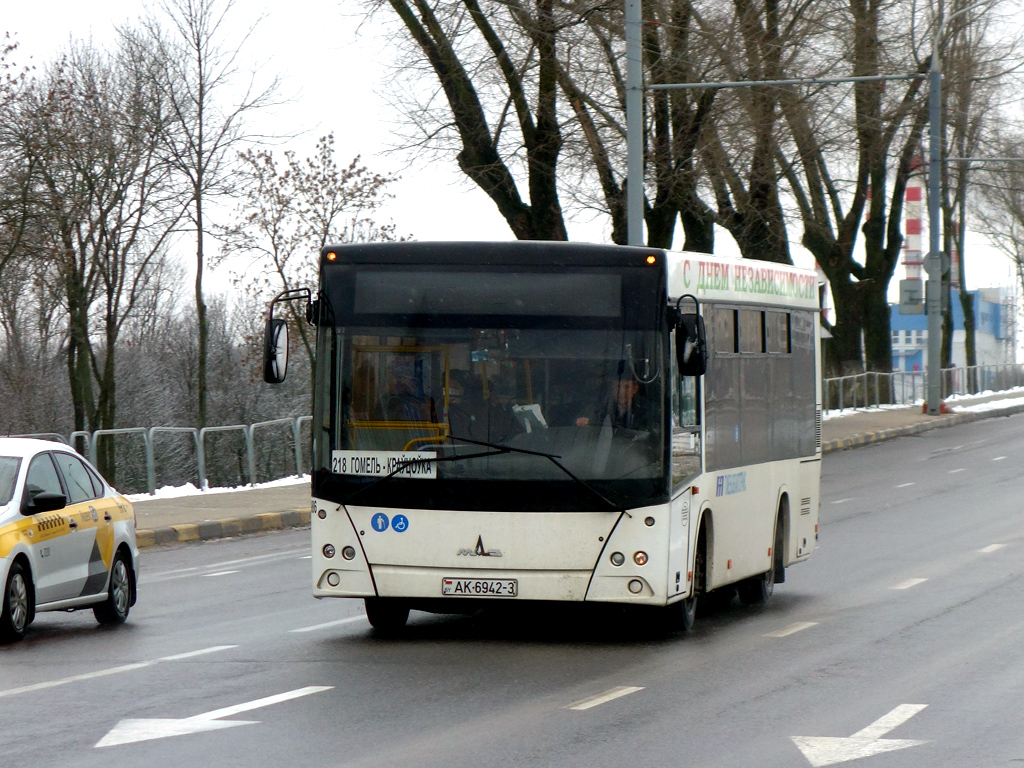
499,449
552,457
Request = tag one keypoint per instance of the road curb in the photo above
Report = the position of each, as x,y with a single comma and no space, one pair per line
219,529
951,420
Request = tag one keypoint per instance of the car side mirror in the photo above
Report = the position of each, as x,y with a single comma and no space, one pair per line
45,502
275,351
691,346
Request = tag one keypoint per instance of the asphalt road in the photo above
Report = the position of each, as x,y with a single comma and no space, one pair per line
905,630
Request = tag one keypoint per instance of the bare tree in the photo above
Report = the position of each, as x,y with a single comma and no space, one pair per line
1002,209
198,75
101,207
287,212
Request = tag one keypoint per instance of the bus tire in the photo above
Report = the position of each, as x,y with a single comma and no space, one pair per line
758,590
684,613
386,614
16,607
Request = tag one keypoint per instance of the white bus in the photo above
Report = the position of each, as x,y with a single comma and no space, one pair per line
558,422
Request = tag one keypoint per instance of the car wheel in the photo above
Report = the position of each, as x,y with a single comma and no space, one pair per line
16,610
114,610
386,614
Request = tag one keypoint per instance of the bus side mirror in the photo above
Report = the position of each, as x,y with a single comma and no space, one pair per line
691,346
275,351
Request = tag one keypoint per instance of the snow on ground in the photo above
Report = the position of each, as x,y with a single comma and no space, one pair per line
958,403
992,405
174,492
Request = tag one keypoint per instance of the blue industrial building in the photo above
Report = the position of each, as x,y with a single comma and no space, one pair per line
995,337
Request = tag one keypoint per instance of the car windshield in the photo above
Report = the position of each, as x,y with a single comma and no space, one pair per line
594,399
9,466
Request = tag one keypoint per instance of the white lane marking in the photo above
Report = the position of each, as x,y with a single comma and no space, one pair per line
904,485
602,698
108,671
792,629
991,548
909,583
337,623
180,572
218,573
200,652
306,557
998,458
137,729
842,501
954,471
829,750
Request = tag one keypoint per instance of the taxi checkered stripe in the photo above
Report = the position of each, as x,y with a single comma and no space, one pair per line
49,523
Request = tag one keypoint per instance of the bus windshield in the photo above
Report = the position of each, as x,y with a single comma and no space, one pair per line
592,398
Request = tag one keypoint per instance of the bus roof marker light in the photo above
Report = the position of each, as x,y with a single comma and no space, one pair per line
331,256
649,522
651,259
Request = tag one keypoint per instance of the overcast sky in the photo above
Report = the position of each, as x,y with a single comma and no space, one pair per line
334,67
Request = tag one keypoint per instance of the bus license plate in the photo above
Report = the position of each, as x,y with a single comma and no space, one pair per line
480,587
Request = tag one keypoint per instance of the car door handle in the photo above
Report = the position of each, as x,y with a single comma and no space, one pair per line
107,517
72,524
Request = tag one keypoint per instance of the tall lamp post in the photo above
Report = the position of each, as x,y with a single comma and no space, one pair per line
933,262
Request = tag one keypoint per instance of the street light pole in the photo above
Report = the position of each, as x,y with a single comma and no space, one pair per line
933,262
634,126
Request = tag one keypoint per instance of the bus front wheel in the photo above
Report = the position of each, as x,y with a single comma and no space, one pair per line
386,614
681,615
758,590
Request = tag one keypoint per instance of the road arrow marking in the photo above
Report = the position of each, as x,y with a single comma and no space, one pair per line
132,730
829,750
604,698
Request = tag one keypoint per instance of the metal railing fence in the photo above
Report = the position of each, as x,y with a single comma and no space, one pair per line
873,389
234,454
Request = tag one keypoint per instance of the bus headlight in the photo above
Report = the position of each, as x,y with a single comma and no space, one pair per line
640,558
329,550
348,552
618,558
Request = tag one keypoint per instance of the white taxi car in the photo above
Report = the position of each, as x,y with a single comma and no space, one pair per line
67,539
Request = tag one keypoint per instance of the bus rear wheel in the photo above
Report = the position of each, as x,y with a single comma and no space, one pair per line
386,614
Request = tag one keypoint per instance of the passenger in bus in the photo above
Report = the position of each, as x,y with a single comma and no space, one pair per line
471,415
626,408
404,400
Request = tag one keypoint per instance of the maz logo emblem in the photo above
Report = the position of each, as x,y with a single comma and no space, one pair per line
479,551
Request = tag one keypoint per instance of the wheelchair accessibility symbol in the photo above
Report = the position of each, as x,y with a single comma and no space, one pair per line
380,522
400,523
